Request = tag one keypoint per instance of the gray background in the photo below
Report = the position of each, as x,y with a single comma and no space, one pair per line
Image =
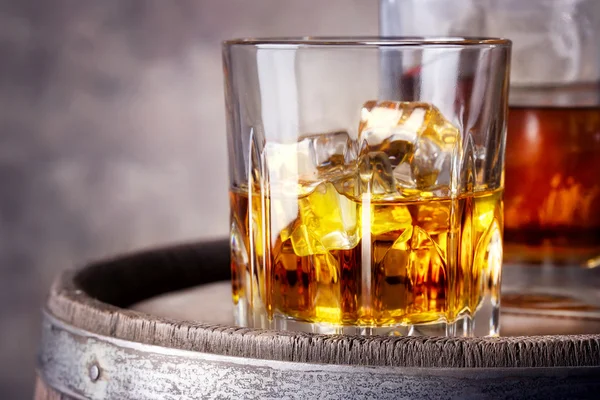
112,134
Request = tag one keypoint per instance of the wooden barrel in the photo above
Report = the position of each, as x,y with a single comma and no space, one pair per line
101,339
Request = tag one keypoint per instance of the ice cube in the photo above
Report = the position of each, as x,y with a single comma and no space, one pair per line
332,153
310,161
384,126
390,217
326,221
376,174
416,139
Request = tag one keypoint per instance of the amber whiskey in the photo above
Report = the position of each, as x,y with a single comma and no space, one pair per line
343,260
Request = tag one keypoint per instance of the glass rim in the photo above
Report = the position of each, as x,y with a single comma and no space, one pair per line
369,41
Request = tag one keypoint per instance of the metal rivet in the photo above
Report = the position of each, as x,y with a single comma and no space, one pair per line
94,372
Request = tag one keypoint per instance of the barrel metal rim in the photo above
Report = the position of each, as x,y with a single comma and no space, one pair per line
83,364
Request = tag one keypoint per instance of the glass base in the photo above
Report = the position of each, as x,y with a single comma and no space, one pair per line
485,322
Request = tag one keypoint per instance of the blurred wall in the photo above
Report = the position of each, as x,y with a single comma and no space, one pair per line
112,134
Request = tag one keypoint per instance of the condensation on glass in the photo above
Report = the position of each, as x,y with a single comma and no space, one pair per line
363,204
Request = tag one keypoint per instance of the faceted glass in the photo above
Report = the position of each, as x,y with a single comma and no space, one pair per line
360,205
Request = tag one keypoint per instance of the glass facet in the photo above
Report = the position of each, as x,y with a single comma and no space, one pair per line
362,203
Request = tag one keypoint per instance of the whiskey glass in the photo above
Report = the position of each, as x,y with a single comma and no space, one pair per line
364,200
